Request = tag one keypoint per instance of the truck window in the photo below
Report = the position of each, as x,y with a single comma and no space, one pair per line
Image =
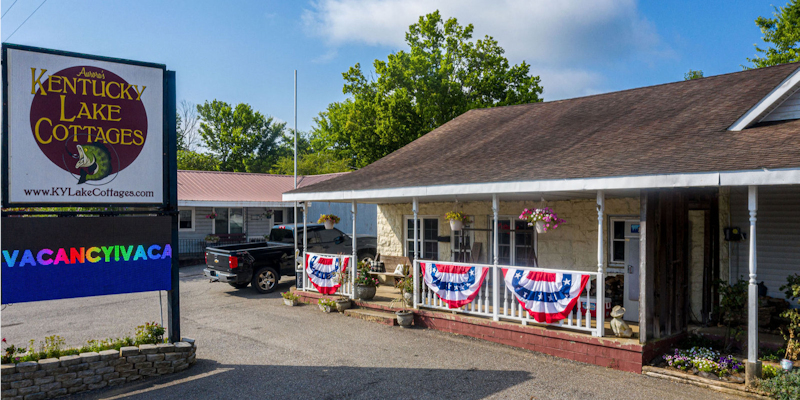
281,235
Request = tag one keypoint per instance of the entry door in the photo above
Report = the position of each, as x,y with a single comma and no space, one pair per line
631,286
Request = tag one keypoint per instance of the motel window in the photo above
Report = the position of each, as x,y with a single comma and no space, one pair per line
277,217
428,235
516,241
229,220
462,241
186,219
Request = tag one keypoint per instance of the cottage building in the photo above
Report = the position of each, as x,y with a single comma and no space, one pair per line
239,207
669,188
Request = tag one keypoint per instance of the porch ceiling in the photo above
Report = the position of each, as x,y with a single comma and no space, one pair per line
520,196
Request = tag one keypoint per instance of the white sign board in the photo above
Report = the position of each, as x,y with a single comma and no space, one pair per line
82,130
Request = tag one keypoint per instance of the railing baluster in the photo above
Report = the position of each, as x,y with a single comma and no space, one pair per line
589,304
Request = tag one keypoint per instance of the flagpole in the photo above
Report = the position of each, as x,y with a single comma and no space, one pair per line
294,216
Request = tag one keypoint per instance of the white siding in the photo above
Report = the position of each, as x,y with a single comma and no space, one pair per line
257,225
790,109
777,235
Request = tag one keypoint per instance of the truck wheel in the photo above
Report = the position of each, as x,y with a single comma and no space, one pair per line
239,285
265,280
366,257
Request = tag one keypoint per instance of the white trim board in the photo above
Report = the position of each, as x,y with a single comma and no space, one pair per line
768,103
234,204
706,179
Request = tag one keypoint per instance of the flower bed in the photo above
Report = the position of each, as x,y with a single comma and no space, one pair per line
705,362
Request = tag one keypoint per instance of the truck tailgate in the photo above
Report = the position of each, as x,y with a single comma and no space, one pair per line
218,260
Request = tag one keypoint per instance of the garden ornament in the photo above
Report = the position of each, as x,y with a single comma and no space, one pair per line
620,328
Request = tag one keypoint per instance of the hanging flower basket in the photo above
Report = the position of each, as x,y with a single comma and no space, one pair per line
329,220
543,219
268,214
457,220
211,216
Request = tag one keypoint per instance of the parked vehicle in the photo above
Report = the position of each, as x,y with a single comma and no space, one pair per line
262,264
327,241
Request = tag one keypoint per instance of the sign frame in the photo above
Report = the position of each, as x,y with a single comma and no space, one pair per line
167,165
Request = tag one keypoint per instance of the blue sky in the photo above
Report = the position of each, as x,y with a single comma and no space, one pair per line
246,51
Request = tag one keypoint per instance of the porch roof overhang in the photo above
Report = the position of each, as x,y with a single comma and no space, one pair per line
219,203
555,189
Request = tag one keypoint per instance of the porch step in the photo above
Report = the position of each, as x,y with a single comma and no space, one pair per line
381,317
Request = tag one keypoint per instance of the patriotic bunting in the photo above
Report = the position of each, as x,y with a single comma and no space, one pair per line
547,296
322,271
456,285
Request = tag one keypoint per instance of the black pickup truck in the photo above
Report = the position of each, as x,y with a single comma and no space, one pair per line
264,263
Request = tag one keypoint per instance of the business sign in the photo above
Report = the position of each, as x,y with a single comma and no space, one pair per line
59,258
81,129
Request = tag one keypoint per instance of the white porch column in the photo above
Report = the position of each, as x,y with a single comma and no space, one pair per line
753,366
354,267
600,287
495,270
415,209
305,241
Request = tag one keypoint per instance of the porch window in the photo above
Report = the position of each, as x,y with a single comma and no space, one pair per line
277,217
616,240
229,220
516,242
462,241
186,219
428,235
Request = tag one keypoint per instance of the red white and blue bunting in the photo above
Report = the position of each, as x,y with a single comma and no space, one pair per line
322,272
456,285
547,296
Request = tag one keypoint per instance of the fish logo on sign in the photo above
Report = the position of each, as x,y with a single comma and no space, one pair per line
547,296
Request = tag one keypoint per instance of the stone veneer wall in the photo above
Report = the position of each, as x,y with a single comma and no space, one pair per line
572,246
55,377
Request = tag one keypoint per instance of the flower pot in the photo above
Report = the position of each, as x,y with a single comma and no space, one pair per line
342,304
456,225
364,292
324,308
405,318
787,365
328,224
290,303
540,227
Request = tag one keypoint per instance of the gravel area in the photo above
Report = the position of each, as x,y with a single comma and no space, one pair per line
253,346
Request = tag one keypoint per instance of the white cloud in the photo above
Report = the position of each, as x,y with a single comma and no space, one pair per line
560,39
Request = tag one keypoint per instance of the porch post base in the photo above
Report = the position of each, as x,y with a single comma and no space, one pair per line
752,371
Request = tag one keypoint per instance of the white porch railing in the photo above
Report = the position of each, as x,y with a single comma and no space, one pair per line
346,288
508,307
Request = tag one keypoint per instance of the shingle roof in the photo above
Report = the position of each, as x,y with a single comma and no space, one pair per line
678,127
239,186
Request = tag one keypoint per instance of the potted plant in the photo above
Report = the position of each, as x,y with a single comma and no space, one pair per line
329,220
365,285
212,215
541,218
289,298
211,239
268,214
457,219
792,331
326,305
405,317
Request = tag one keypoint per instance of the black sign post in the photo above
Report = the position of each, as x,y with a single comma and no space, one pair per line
173,297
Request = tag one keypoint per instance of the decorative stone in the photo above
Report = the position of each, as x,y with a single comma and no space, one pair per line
155,357
71,382
148,349
127,373
50,386
181,368
137,359
66,377
117,381
117,361
8,393
123,367
89,357
104,370
707,375
107,355
76,389
7,370
27,366
143,365
98,364
129,351
133,378
187,340
165,347
78,367
165,370
39,374
21,384
177,363
49,363
182,346
85,373
172,356
43,380
111,375
147,371
28,390
57,371
57,392
162,364
97,385
67,361
36,396
191,359
92,379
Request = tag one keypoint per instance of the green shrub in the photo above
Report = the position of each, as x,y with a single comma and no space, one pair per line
149,333
784,386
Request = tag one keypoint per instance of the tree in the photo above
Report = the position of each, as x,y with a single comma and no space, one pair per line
692,74
443,75
187,119
782,34
239,139
310,164
191,160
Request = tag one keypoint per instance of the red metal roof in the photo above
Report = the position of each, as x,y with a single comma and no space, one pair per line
240,186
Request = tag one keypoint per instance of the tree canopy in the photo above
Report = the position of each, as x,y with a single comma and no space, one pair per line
782,35
239,139
443,74
692,74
